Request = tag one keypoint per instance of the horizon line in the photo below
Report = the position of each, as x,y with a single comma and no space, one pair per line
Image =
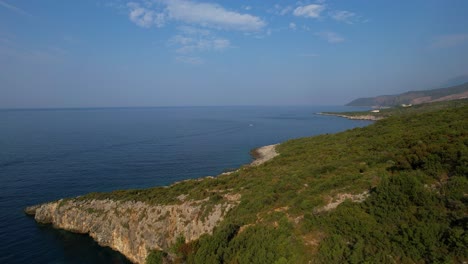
146,107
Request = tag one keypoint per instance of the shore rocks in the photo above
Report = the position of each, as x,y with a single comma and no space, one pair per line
131,227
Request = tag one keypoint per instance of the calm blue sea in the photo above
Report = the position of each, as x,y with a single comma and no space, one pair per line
50,154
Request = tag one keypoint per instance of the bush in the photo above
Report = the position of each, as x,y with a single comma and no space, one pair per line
156,257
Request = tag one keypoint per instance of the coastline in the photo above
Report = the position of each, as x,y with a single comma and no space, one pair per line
142,223
260,155
187,217
356,117
264,154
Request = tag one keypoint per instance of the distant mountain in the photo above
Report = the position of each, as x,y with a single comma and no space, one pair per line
457,80
415,97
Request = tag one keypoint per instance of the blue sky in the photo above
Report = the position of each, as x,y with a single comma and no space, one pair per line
98,53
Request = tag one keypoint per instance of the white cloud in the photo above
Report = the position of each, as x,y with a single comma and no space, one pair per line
212,15
343,16
158,12
198,23
191,45
292,26
193,40
145,17
331,37
450,40
312,10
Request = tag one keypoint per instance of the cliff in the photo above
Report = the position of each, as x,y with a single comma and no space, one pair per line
134,228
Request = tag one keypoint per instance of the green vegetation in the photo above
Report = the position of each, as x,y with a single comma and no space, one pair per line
156,257
402,221
415,165
412,97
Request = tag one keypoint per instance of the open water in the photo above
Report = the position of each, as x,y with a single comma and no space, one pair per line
50,154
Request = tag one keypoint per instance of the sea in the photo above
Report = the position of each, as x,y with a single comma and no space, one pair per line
48,154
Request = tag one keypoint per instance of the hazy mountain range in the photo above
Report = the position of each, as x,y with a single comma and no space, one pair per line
415,97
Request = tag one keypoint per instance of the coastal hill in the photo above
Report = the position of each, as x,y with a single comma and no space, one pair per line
378,114
415,97
392,192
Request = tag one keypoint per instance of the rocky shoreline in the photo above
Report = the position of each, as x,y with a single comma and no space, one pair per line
264,154
261,155
135,228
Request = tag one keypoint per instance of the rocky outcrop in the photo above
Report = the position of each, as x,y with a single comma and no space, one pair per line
355,117
264,154
135,228
340,198
261,155
362,117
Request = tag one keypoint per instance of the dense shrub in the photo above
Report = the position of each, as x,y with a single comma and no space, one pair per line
156,257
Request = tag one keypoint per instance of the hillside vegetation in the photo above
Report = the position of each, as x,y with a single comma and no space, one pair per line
400,110
392,192
415,97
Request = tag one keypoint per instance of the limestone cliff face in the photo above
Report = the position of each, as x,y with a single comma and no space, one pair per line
134,228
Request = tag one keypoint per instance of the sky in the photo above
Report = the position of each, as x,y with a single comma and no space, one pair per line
124,53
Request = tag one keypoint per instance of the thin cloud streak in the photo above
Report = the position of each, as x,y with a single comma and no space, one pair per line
14,8
343,16
331,37
279,10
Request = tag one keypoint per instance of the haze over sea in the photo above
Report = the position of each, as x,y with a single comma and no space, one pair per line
51,154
